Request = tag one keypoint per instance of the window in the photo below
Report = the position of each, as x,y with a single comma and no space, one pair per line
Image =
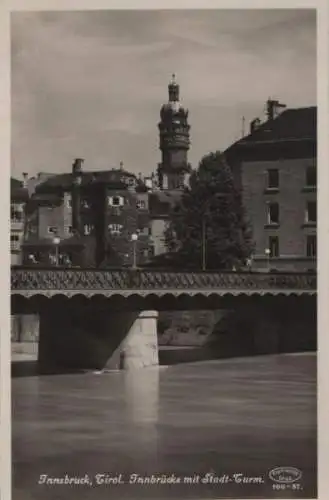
311,177
52,229
116,210
14,241
16,216
116,201
311,245
87,229
141,204
69,203
310,216
273,178
273,213
115,228
69,229
16,212
273,244
85,204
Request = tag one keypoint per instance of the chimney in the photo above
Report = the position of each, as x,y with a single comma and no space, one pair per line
76,195
77,166
254,125
25,174
121,165
273,108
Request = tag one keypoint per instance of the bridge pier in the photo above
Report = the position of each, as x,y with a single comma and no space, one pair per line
140,346
90,337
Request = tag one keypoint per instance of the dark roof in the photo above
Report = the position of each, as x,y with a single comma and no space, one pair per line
64,181
17,191
15,183
292,124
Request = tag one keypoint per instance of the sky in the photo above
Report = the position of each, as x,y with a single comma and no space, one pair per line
90,84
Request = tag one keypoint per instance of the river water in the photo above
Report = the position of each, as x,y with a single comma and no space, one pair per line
201,429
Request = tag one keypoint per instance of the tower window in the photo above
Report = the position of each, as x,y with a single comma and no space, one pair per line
310,216
311,177
311,245
116,201
273,178
52,229
273,244
273,213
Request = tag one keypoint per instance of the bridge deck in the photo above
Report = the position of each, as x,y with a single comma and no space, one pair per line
107,282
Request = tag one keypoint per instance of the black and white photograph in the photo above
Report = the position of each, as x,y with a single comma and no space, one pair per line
163,254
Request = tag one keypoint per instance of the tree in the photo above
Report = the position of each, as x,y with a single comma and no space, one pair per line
209,225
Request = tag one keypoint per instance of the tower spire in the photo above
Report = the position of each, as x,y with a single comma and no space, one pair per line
173,89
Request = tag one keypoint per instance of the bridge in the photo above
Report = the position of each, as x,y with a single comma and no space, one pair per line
93,318
69,282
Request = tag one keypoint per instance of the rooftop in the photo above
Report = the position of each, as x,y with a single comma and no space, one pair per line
64,181
292,124
17,191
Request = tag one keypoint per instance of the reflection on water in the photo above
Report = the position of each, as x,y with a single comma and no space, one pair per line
141,392
141,396
244,415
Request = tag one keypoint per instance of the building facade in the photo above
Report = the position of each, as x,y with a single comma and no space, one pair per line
275,167
114,217
18,200
88,218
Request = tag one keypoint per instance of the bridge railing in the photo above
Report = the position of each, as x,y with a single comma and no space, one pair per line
73,279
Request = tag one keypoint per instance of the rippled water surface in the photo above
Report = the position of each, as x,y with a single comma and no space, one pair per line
242,416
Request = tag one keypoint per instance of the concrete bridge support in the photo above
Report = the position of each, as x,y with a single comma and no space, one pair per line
74,337
140,346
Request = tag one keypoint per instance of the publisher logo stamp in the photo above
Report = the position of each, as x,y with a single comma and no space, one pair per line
285,475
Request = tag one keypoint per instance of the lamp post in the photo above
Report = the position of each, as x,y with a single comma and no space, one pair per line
134,238
56,242
268,254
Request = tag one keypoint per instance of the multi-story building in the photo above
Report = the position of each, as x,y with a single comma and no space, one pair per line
275,167
19,197
89,218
